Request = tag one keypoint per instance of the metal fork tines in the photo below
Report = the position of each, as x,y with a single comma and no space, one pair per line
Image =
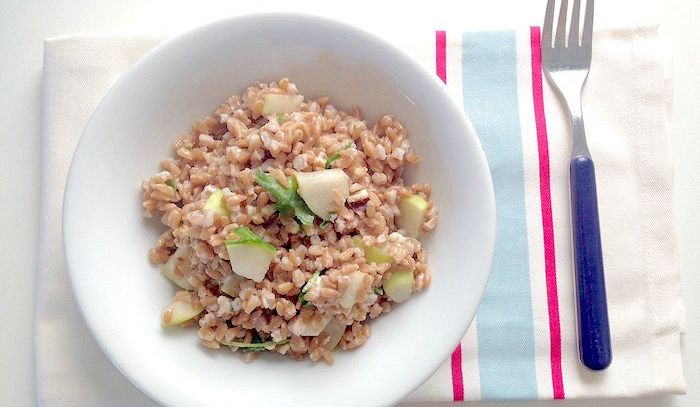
566,65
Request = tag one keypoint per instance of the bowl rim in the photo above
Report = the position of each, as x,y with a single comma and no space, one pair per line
171,42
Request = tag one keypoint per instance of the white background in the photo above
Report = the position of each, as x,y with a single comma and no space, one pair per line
25,23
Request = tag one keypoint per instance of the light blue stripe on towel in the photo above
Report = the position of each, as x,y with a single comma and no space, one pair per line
504,322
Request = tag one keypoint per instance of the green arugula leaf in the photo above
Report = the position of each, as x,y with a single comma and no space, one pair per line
248,236
281,194
172,183
336,155
301,210
245,233
378,290
256,346
287,200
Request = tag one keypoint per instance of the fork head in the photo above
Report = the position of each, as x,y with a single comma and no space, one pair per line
574,54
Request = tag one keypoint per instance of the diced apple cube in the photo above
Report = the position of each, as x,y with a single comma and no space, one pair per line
183,307
177,268
349,296
279,104
215,203
373,254
232,284
335,331
309,327
251,260
324,191
400,285
412,214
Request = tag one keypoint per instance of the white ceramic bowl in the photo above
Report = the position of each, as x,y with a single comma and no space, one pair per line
106,239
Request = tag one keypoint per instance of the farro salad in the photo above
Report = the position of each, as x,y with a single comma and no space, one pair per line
289,225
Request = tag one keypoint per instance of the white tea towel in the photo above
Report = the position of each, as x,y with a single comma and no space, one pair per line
71,370
495,77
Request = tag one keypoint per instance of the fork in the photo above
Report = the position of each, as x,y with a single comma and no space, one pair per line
566,66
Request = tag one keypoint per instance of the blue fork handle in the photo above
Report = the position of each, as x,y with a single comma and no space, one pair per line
593,328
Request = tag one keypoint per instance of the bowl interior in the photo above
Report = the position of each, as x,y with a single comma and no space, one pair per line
106,239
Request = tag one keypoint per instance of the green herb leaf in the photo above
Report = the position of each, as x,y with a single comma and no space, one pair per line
248,236
280,119
245,233
307,287
256,346
304,215
281,194
172,183
287,201
324,224
301,210
378,290
336,155
311,282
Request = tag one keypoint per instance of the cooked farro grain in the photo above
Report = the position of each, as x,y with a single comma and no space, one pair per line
230,194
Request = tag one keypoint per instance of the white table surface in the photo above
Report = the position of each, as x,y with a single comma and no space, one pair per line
25,23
